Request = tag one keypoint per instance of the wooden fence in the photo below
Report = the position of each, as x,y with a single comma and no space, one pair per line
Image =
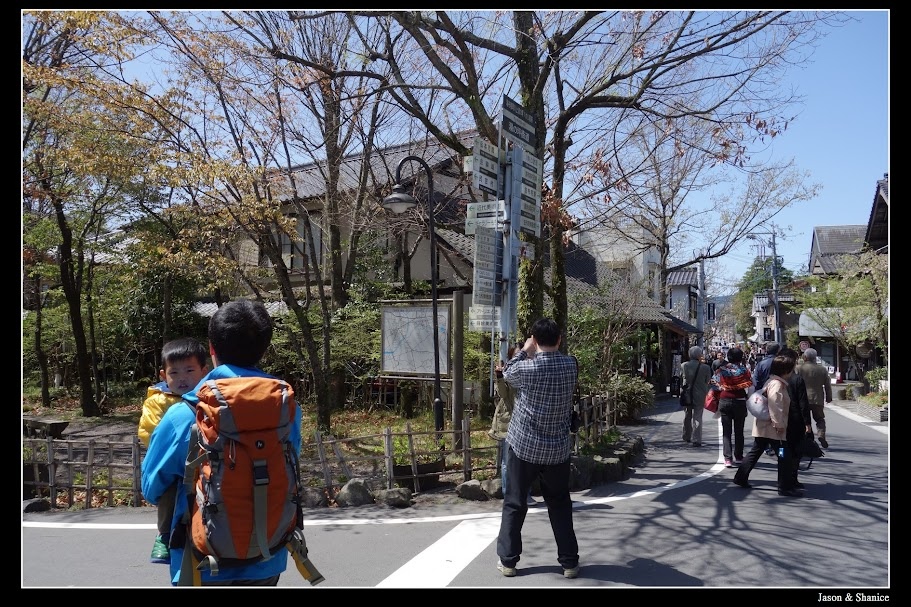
100,473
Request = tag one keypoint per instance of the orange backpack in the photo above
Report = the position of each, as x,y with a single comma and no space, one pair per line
242,477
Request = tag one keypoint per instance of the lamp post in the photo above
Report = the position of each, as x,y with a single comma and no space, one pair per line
398,202
774,283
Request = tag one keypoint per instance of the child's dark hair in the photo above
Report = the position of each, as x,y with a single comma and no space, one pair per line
240,333
183,348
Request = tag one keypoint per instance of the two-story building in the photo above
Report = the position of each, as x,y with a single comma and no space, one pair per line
829,246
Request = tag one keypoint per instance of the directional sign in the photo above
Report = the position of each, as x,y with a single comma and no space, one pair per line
530,226
484,215
486,209
519,125
488,267
483,318
485,166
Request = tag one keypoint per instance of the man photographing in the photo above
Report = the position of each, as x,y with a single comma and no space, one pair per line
539,445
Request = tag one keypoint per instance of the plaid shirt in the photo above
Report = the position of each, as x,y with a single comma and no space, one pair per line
539,429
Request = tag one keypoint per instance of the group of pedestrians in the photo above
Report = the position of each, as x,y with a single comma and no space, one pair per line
796,393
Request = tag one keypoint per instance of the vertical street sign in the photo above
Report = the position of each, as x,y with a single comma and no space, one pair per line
485,166
519,126
488,267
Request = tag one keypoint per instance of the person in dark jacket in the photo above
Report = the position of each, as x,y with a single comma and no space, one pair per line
761,373
798,420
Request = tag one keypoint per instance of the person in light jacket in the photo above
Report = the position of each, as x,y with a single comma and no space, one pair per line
772,432
696,374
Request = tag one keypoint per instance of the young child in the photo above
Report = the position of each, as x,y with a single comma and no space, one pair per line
240,333
184,365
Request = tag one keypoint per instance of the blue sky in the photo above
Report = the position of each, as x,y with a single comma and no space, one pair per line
841,137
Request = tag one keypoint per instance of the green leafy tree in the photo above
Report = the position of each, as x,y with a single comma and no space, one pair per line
756,280
75,138
853,305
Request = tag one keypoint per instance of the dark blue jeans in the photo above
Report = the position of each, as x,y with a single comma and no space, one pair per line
733,416
555,490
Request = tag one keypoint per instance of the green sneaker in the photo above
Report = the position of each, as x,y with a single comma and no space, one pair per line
160,552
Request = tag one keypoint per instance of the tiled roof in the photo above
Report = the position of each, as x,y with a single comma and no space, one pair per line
583,276
310,179
458,243
831,242
683,277
877,235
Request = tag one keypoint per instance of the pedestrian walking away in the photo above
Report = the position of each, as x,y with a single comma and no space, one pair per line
772,432
798,421
761,374
539,445
731,381
240,333
819,391
696,378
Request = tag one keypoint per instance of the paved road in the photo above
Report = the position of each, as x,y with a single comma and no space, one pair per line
677,521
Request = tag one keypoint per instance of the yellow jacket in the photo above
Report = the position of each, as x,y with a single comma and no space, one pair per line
158,400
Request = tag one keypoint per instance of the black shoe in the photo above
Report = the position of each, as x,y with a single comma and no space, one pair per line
743,484
798,485
697,444
770,452
790,493
824,443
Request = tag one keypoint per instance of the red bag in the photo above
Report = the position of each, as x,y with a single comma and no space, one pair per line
711,400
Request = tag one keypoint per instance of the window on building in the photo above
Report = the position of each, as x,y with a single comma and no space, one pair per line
653,281
692,308
710,312
296,250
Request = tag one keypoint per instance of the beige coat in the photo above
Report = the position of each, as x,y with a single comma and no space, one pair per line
776,390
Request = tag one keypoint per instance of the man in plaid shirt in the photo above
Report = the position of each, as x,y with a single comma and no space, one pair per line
538,445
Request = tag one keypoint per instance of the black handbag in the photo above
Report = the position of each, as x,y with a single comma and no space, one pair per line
810,448
686,398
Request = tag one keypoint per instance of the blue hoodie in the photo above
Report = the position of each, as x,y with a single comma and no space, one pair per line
164,464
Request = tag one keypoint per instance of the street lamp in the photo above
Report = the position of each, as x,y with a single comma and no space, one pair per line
399,202
774,283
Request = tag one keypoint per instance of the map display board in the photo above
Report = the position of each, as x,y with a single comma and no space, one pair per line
407,339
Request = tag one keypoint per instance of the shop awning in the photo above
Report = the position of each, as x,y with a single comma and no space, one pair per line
808,323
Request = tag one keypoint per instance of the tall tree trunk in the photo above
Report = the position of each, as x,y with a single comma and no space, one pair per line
40,354
73,296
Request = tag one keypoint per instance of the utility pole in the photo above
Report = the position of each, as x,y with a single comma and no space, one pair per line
775,293
775,288
700,304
